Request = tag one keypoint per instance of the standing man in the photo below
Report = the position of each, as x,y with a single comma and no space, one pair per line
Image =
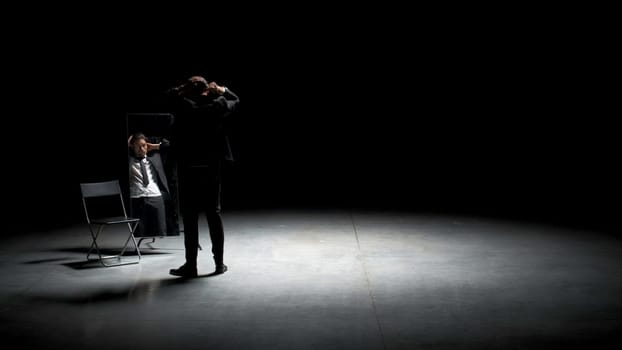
199,144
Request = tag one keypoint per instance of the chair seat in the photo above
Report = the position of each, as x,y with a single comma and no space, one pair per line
114,220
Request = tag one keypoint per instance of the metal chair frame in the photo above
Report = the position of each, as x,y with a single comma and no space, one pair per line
97,224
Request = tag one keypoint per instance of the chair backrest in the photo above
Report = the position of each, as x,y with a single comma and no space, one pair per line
99,189
102,189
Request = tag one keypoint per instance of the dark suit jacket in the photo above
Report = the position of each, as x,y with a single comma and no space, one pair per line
199,133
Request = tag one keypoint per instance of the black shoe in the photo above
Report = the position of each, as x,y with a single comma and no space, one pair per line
220,269
184,271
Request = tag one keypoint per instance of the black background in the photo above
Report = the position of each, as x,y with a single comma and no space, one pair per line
495,116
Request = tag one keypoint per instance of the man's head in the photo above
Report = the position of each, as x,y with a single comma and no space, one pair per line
195,86
138,144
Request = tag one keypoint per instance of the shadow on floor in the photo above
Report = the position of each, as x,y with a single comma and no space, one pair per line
138,291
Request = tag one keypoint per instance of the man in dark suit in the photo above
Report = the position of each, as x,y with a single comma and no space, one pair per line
148,185
199,144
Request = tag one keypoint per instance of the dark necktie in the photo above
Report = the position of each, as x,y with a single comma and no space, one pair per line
143,170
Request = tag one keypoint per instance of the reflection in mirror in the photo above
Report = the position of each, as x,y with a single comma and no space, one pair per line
152,175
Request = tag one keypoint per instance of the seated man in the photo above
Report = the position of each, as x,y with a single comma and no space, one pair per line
148,185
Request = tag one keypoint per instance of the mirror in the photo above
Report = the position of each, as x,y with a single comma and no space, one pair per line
152,174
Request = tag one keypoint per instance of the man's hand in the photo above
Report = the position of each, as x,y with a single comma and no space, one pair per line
153,146
215,88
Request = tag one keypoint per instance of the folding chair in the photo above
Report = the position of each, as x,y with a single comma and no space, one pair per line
94,196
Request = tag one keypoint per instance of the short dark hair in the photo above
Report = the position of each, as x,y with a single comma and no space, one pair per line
138,136
196,85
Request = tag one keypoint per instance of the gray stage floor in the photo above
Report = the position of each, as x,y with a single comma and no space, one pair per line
322,280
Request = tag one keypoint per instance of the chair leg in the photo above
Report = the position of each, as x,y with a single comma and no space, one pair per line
94,242
102,258
133,238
